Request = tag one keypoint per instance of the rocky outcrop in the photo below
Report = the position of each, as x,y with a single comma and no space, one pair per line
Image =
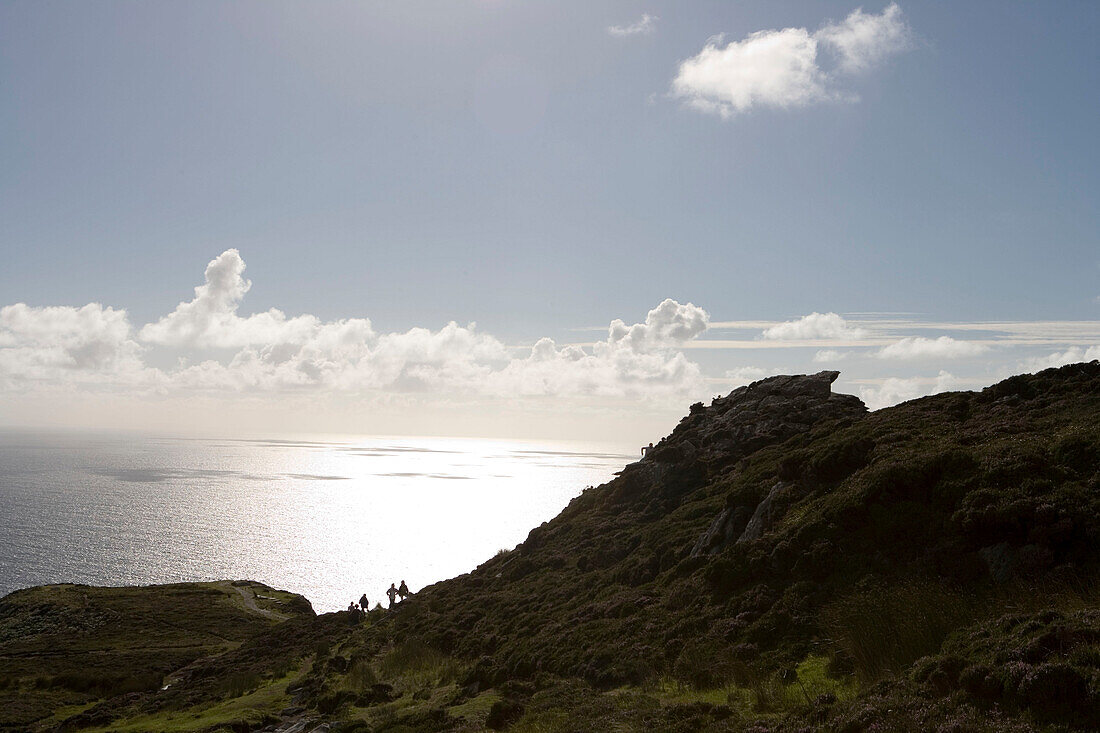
765,514
723,531
763,413
734,525
713,438
749,418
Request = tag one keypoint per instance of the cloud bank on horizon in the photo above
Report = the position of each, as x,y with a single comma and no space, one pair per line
94,349
791,67
95,346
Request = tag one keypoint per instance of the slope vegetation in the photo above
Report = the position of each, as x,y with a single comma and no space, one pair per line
783,560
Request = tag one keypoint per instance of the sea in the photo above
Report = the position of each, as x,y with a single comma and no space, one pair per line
330,519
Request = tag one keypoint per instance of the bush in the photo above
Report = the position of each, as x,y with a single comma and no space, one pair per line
240,683
883,631
707,663
419,663
361,676
101,684
503,713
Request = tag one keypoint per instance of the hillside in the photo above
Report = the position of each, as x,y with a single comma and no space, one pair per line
783,560
63,647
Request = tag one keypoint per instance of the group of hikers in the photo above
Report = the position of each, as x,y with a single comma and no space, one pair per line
393,592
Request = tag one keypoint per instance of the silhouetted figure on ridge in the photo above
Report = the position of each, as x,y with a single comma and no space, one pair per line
646,449
392,593
403,591
364,603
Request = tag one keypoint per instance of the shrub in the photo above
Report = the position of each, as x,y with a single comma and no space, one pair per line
885,630
417,662
707,663
239,683
361,676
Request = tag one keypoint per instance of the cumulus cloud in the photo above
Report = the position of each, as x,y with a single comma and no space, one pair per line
1071,355
919,347
769,68
669,324
66,345
894,390
210,320
782,68
636,360
273,353
863,40
814,326
644,26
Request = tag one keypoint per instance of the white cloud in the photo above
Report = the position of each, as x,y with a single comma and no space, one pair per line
814,326
66,345
780,68
210,319
742,376
826,356
769,68
893,390
863,40
919,347
637,360
274,354
669,324
1071,355
644,26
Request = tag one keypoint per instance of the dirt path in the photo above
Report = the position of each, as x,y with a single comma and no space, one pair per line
249,597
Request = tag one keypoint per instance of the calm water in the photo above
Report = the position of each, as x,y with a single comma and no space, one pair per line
329,520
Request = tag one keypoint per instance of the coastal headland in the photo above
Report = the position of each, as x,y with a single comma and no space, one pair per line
784,560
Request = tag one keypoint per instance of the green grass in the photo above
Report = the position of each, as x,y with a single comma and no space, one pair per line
68,646
759,692
883,631
264,701
414,664
476,708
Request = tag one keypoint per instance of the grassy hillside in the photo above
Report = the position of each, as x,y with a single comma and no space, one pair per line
63,647
784,560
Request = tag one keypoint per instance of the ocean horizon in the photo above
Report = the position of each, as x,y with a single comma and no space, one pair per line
331,519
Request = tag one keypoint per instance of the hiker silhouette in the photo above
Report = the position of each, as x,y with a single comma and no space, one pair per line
392,593
403,591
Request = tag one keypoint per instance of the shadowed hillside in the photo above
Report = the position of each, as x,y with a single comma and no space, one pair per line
783,560
62,647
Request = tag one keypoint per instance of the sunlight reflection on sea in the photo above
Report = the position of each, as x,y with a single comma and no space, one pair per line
327,519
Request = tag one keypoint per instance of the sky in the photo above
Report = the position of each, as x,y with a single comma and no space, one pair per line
534,219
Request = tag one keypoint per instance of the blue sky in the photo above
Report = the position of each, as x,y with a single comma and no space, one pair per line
518,165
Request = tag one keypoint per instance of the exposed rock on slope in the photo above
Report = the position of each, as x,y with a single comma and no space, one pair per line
763,413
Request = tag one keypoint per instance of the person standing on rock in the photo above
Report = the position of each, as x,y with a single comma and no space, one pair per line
403,591
646,449
364,603
392,593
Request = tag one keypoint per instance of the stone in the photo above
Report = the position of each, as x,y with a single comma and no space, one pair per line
762,518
